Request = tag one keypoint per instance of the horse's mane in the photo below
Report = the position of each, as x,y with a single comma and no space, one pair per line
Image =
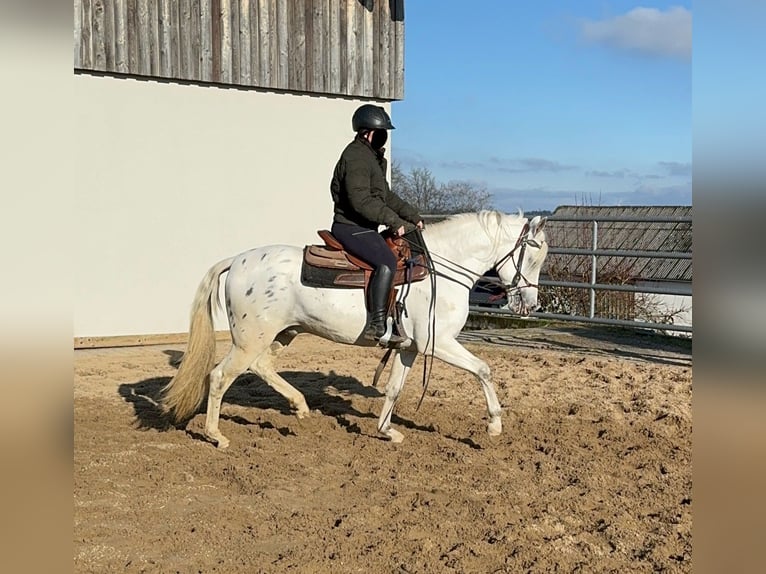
489,219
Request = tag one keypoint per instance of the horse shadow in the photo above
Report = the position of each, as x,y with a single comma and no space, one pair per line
331,394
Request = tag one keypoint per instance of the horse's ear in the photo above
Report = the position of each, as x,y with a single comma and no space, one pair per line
537,224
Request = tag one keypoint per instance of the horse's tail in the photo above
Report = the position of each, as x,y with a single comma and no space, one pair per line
184,393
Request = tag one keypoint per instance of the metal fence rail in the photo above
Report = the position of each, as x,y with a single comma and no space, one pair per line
583,319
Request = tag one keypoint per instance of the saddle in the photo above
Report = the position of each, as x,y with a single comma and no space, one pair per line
329,265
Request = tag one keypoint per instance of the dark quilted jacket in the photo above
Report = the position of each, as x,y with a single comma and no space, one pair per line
361,193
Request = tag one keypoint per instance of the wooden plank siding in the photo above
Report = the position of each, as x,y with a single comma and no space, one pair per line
339,47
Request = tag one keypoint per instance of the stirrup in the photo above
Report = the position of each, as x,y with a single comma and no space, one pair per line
392,341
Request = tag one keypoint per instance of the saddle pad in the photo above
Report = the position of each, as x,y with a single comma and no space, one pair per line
321,256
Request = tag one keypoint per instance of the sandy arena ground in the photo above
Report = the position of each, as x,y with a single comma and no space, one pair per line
591,474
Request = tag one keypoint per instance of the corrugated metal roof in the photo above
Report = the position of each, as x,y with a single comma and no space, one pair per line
634,236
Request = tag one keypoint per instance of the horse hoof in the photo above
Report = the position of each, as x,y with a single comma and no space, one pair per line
393,435
302,414
495,428
222,443
217,438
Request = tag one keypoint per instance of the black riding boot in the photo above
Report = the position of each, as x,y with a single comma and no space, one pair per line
380,286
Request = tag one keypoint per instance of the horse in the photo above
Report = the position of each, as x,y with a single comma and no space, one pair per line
268,306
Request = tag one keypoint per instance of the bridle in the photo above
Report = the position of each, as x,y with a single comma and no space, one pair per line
521,244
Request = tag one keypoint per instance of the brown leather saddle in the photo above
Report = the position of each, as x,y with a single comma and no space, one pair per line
330,266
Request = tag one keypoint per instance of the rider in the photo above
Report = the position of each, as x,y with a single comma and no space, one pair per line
363,201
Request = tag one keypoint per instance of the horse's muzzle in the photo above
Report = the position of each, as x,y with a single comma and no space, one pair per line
521,308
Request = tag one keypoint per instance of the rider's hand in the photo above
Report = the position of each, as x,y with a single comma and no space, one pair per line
420,224
399,232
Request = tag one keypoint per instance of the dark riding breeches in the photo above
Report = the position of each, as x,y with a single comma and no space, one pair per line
367,244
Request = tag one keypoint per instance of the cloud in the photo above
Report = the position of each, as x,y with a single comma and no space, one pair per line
676,168
680,194
669,168
511,199
457,164
618,173
645,30
407,158
529,164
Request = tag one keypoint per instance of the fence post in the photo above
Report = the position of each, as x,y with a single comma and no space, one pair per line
593,271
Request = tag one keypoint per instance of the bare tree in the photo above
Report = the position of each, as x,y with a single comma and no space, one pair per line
420,188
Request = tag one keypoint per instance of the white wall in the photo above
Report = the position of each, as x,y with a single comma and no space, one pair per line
171,178
680,305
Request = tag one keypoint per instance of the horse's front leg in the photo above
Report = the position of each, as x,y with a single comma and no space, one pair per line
452,352
403,361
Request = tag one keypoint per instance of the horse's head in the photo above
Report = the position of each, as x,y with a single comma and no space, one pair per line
519,268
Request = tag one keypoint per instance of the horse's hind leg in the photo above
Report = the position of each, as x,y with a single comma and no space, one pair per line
403,361
263,366
221,378
452,352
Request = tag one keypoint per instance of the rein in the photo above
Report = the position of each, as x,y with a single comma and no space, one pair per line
521,245
431,315
419,246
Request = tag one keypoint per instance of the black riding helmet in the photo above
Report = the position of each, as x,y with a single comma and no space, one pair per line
371,117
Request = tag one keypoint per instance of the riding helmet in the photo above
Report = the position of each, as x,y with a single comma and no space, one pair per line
371,117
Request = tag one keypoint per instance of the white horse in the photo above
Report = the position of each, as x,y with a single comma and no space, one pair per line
268,306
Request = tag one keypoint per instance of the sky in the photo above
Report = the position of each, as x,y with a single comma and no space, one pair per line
729,91
550,103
